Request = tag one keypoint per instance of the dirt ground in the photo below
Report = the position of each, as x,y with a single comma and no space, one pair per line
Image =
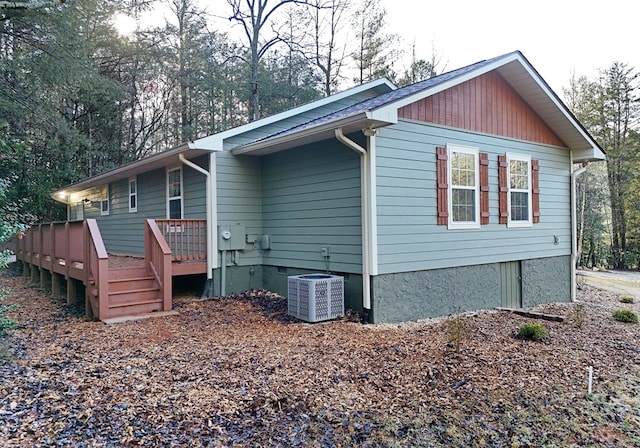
620,282
239,372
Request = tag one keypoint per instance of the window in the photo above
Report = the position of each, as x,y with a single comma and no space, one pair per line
104,200
133,195
174,193
80,211
462,187
463,176
519,191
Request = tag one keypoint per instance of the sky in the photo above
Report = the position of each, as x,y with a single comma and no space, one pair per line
559,37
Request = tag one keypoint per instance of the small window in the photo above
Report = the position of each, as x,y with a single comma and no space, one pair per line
519,197
174,193
104,200
133,195
464,191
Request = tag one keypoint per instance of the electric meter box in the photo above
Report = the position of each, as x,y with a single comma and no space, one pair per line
231,237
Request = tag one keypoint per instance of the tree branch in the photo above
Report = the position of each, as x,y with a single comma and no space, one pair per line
30,5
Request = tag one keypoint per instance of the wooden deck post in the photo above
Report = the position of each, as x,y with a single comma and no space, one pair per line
72,291
88,311
56,284
45,278
35,274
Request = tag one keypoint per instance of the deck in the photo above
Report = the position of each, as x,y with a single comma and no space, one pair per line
70,258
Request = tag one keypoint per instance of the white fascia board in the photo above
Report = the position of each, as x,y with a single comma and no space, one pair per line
380,118
593,153
214,142
137,167
448,84
279,140
387,115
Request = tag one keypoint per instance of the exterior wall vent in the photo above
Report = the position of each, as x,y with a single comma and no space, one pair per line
316,297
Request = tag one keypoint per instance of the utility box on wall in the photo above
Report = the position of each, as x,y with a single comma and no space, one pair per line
316,297
231,237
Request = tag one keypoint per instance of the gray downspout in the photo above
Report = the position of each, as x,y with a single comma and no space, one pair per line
574,229
364,204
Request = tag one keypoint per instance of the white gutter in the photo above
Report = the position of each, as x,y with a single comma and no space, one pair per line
365,205
210,200
355,119
574,229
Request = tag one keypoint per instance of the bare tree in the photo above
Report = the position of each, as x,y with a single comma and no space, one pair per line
326,20
35,4
254,16
377,51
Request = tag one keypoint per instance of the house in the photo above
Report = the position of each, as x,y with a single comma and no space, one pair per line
455,193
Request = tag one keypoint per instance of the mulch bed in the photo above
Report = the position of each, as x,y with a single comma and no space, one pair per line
237,371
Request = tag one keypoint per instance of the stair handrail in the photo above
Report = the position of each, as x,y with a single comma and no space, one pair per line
96,265
157,256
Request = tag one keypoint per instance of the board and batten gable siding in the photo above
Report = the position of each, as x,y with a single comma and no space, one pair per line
311,200
409,238
486,104
239,199
297,120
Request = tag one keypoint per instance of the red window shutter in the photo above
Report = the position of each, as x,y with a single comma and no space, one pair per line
484,188
503,189
535,190
442,181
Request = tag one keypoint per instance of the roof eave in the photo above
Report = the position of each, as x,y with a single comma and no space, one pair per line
358,122
583,146
215,142
155,161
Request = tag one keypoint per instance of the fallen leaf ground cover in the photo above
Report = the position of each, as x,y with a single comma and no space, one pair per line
238,371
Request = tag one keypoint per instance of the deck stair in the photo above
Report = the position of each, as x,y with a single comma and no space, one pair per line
73,253
133,291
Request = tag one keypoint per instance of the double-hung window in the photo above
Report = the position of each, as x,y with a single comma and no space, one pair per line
519,190
464,190
519,197
133,195
104,200
174,193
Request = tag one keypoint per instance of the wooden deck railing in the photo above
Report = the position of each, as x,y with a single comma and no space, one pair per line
74,251
157,257
187,238
58,246
96,266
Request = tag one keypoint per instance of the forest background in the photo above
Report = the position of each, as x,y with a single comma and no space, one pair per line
79,96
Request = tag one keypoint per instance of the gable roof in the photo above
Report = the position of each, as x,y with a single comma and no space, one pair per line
214,142
383,109
210,143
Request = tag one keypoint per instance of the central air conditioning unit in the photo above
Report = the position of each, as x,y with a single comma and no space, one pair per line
316,297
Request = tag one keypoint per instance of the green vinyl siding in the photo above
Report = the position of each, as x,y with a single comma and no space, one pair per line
311,200
409,238
122,231
239,198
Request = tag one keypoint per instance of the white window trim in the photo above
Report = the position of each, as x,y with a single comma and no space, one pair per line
181,197
133,180
519,223
104,199
476,154
80,211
